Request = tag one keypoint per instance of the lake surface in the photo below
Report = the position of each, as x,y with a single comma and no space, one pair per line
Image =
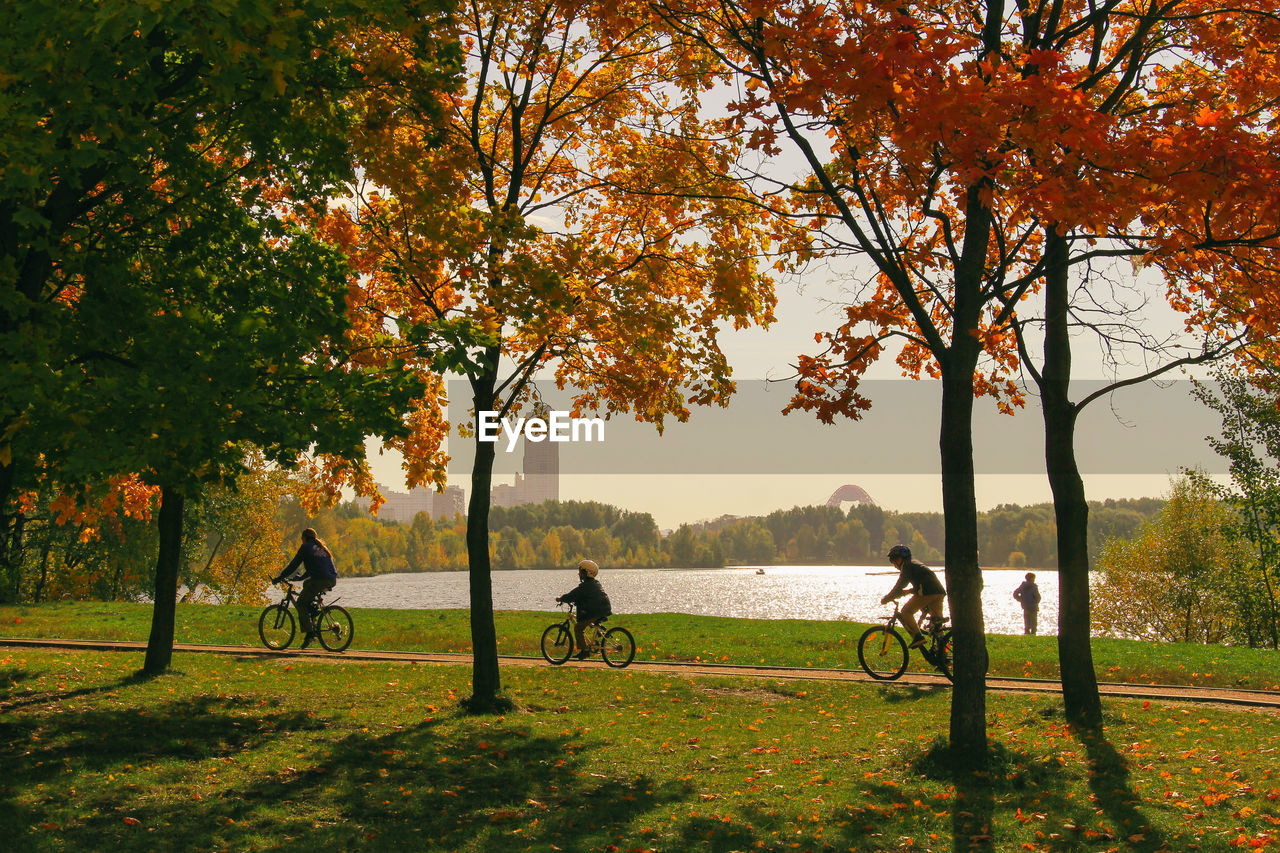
782,592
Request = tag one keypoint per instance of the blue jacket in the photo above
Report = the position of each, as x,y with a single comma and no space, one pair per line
316,559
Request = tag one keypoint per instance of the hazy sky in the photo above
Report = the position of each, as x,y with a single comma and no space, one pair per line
748,461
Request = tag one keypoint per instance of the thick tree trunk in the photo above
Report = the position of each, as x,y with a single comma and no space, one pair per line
160,643
959,502
486,681
1071,509
964,576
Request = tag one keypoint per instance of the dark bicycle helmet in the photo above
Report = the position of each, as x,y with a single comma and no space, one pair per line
900,551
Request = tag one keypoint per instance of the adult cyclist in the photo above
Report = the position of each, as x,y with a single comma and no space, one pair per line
927,591
319,575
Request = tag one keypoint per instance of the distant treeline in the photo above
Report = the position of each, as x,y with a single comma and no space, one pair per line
559,534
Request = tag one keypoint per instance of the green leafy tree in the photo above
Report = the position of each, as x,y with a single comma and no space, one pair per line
126,122
1174,581
160,302
1250,442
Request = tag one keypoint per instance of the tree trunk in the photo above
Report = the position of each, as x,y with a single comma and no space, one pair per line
964,576
1071,509
160,643
38,593
486,682
10,540
958,364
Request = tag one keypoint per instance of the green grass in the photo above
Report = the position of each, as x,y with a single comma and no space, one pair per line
663,637
231,753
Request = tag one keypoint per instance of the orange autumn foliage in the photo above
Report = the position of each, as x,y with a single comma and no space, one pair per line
1142,131
574,212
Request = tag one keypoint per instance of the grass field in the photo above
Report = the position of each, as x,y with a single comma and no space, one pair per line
229,753
665,636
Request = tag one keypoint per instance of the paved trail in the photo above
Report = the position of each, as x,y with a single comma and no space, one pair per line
1175,693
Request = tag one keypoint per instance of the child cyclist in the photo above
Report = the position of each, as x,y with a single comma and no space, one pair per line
593,603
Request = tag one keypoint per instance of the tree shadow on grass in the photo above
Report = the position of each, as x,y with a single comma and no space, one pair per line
1033,787
41,747
1109,781
51,750
412,789
11,677
10,702
896,694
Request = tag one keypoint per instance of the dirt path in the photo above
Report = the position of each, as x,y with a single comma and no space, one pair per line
1167,693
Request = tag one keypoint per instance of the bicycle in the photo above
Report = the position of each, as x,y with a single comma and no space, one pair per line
616,645
883,651
277,626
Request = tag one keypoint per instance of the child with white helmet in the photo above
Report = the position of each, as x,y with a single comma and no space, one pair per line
593,604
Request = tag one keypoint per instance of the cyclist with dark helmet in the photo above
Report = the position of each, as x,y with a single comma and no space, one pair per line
927,591
592,601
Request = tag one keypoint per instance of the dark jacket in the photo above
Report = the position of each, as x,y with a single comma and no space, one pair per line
315,558
921,579
1028,595
591,599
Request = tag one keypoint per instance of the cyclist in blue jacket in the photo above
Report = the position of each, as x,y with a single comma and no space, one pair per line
319,575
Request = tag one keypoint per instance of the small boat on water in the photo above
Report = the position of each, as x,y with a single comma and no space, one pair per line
759,571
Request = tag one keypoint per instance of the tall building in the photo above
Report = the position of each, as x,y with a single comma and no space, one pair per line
541,472
540,480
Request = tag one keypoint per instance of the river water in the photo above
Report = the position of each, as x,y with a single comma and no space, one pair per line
782,592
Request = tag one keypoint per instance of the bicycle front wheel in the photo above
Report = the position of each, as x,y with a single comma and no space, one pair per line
276,627
334,628
557,643
618,647
883,653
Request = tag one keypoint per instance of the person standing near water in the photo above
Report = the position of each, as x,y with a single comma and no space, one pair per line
1028,595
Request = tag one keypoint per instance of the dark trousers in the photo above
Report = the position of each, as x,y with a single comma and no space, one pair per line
1029,616
311,589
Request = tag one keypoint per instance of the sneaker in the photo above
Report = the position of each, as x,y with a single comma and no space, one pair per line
306,641
919,642
582,655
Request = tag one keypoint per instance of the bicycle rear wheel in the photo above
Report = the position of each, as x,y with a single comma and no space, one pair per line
618,647
276,627
334,628
883,653
942,654
557,643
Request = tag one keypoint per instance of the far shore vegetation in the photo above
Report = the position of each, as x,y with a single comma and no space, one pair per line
233,539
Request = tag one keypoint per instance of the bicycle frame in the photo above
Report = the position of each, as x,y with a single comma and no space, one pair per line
571,622
291,598
935,624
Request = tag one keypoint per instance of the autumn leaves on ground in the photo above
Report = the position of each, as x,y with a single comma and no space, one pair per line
230,753
227,754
